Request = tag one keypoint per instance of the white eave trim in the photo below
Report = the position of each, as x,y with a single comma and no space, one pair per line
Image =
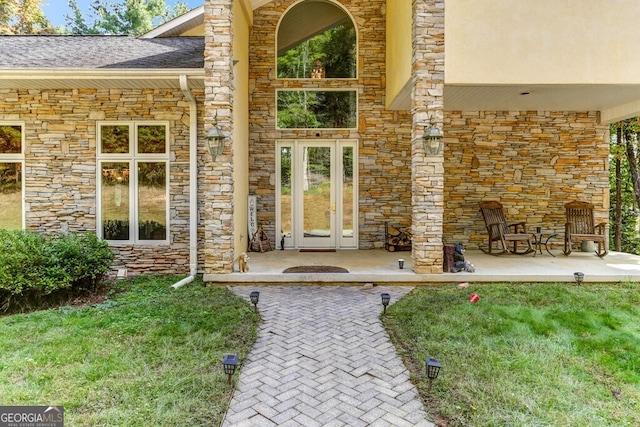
168,27
70,78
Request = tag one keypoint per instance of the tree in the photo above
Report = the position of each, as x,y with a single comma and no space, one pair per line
133,17
23,17
625,185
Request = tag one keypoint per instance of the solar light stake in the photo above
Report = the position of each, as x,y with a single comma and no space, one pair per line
579,276
433,368
385,301
230,362
254,297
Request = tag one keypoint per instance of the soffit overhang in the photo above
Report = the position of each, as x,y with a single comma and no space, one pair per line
614,101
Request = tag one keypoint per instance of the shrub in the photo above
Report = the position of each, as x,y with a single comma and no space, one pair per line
35,268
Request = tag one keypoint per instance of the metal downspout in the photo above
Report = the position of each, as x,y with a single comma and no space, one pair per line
193,182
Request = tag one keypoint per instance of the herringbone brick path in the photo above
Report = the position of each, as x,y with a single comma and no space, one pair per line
322,358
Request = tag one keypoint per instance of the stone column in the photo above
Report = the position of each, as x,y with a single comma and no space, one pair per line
427,102
216,175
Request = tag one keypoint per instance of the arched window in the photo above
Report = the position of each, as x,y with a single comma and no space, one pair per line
316,40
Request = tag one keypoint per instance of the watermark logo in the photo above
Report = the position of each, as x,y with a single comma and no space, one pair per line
31,416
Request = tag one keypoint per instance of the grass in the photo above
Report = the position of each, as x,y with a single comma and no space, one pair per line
524,354
147,356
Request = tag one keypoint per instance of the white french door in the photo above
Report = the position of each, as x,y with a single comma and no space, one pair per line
317,193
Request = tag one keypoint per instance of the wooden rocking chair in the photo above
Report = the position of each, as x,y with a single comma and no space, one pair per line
502,232
581,227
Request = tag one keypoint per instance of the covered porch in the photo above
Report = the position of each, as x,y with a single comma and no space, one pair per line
379,266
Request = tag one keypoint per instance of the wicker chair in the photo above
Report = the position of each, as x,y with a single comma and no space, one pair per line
581,227
504,233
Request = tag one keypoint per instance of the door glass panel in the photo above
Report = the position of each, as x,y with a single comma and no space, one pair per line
285,191
11,195
152,196
347,192
316,181
115,200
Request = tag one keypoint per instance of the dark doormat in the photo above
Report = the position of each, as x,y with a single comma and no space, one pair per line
316,269
317,250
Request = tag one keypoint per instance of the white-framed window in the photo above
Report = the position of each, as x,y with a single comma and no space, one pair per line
317,109
133,181
11,175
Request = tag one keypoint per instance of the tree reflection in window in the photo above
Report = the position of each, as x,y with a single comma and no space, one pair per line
316,35
316,109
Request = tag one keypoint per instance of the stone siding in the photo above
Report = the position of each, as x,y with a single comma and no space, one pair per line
60,163
427,105
216,184
532,162
384,136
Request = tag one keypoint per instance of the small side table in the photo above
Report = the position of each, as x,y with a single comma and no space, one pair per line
541,239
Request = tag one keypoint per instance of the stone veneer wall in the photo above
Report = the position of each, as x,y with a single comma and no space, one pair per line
60,163
532,162
384,136
215,182
427,106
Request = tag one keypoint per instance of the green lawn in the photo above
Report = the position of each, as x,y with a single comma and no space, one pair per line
148,356
524,354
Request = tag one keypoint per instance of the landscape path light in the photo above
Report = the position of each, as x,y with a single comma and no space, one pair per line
433,368
254,297
385,300
230,363
579,276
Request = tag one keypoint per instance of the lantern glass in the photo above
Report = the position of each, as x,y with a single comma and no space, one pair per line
433,368
254,297
230,362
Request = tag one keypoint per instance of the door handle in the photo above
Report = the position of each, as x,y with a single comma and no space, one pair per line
333,208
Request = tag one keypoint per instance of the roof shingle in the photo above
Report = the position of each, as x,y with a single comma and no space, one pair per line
97,51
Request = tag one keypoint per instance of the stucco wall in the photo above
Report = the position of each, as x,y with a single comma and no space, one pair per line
384,147
60,163
542,41
532,162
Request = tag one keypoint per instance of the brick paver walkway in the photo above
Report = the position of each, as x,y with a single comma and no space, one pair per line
322,358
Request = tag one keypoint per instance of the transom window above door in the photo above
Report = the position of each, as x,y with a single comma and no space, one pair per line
316,40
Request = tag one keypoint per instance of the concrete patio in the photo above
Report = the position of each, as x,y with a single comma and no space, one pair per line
379,266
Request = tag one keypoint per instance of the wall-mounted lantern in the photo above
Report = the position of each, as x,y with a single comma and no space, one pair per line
215,138
432,140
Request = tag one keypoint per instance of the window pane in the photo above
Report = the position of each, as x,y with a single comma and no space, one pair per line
285,190
11,196
306,109
114,139
152,197
115,200
323,47
10,139
347,192
152,139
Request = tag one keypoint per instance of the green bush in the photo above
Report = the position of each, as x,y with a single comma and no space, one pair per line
35,268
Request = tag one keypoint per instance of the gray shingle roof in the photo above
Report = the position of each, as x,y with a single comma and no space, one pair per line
89,52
